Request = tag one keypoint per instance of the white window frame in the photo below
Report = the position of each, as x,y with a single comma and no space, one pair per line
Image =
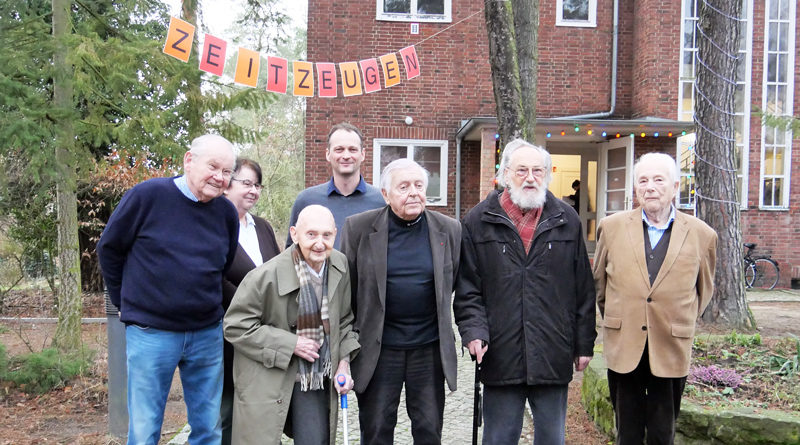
590,23
377,144
788,52
447,17
744,114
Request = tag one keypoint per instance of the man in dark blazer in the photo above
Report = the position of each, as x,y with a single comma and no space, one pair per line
654,275
403,261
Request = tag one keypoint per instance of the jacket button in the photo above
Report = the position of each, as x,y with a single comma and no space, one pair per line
652,256
280,401
644,328
649,299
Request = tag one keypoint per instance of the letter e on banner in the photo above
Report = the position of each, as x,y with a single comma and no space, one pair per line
179,39
303,78
213,59
369,67
351,79
277,74
391,70
326,79
410,61
247,67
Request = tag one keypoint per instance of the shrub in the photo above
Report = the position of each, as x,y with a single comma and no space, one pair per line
40,372
715,376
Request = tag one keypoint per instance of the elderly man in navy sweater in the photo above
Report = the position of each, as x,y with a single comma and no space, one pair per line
163,254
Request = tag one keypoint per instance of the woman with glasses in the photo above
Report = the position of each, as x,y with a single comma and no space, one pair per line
257,245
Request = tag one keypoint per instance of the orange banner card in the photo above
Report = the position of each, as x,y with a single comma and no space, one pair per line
391,70
410,61
369,67
351,79
179,39
303,78
326,79
247,63
213,59
277,74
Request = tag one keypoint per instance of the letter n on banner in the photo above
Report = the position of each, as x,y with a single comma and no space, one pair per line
303,78
410,61
351,79
369,67
179,39
277,74
326,79
247,67
213,60
391,70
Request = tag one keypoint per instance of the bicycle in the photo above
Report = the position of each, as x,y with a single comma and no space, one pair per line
760,271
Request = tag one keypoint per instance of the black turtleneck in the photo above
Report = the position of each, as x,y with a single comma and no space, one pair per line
410,319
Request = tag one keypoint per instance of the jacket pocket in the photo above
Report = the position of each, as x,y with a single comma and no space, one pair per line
682,330
612,323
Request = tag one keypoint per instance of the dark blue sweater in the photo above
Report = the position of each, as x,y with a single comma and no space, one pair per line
163,256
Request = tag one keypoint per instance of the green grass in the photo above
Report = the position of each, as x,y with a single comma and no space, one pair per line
40,372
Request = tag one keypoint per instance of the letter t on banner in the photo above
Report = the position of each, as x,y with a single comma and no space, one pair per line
370,69
391,70
326,79
213,60
410,61
179,39
247,67
277,74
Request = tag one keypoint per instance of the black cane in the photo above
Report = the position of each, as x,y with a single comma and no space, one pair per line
477,408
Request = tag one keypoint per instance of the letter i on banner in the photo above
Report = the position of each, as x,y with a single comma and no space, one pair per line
326,79
410,61
391,70
247,63
351,79
277,74
179,39
213,60
303,78
369,67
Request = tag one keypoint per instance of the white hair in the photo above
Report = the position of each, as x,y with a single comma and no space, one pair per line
201,144
401,164
661,159
516,144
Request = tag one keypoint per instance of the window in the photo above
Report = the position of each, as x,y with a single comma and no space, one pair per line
686,99
413,10
581,13
431,155
777,100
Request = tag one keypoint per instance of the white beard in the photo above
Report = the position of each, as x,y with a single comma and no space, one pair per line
527,200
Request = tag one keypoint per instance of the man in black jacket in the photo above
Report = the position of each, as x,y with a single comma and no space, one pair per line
525,301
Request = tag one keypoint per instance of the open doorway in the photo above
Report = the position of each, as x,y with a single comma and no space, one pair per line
576,165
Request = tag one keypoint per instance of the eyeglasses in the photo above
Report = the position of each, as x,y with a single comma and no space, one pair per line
248,183
523,172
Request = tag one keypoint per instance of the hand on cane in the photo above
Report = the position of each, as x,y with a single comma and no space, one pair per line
343,381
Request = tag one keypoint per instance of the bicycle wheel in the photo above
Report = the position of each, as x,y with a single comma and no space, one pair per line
767,274
749,273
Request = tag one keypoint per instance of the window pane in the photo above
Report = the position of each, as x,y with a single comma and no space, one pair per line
780,137
784,9
575,10
688,90
616,201
768,197
769,161
779,160
688,34
687,68
430,159
780,105
738,128
615,179
616,158
773,9
783,37
390,153
773,37
769,135
771,100
430,6
777,191
782,67
401,6
771,67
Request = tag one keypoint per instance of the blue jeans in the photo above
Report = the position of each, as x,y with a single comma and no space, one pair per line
153,355
502,413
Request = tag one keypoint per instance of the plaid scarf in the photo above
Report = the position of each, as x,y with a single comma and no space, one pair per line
312,323
524,222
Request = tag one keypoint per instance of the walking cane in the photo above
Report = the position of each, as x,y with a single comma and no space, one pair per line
477,408
343,397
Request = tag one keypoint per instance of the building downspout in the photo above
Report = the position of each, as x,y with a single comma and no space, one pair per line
614,50
458,177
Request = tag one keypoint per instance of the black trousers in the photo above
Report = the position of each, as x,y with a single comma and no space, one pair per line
645,403
421,371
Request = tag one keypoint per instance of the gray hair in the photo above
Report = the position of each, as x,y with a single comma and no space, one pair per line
516,144
400,164
661,159
201,144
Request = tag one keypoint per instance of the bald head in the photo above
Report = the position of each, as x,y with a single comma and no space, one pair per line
314,233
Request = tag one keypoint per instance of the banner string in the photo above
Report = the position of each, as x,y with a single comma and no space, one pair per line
447,28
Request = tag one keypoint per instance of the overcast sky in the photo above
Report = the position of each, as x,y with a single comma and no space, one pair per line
219,15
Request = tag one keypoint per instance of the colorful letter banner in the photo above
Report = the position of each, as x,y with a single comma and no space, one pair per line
213,58
409,56
351,79
247,67
303,79
326,79
277,74
179,39
391,70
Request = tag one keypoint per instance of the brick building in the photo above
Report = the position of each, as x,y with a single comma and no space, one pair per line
606,68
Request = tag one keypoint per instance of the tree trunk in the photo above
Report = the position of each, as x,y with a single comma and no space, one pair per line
717,200
194,94
526,28
505,70
68,329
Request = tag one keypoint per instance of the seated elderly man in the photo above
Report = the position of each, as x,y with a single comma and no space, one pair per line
289,321
403,260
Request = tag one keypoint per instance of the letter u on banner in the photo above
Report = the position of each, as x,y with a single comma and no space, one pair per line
351,79
247,64
372,83
303,78
410,61
326,79
179,39
213,60
277,74
391,70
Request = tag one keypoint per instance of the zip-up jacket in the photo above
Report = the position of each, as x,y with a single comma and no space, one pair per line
536,311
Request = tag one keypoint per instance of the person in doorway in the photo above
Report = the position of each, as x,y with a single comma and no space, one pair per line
576,196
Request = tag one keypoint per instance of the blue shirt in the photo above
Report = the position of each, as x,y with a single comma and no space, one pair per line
654,232
183,186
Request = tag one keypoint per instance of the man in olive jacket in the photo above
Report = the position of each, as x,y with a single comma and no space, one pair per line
524,300
263,325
